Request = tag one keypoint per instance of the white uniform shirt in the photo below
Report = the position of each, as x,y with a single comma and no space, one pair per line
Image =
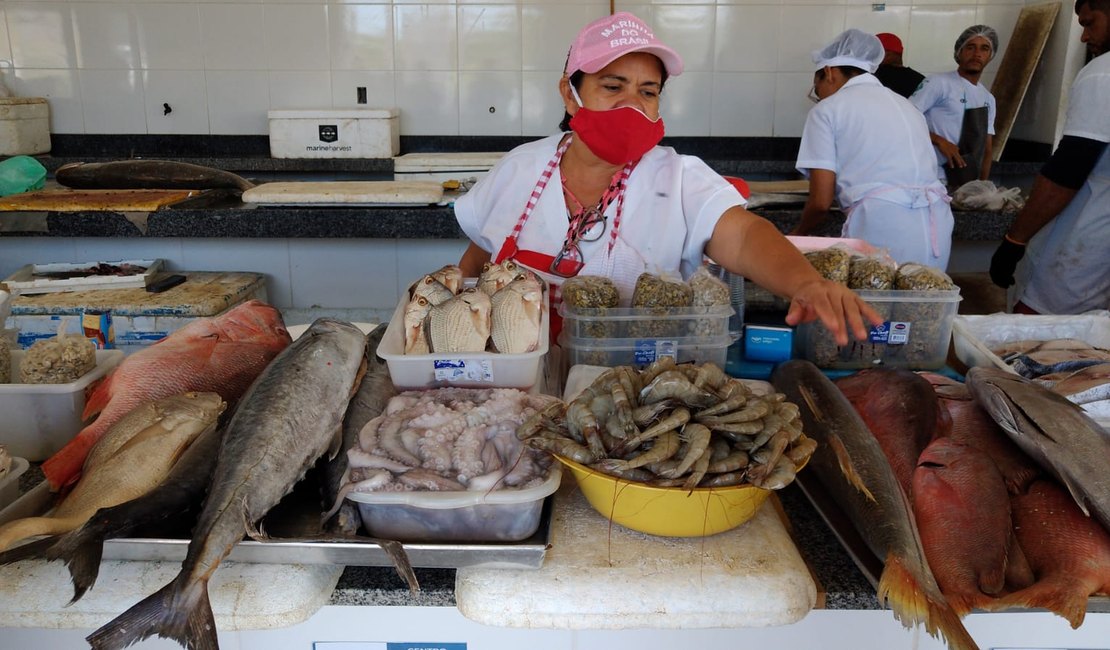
671,206
878,146
942,97
1066,269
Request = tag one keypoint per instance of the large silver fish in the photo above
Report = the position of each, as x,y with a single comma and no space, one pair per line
152,174
515,316
856,473
1054,431
289,417
374,391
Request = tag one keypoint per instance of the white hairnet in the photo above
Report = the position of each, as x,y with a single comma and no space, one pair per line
852,47
985,31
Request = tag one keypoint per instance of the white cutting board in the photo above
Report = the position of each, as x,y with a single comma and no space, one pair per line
346,193
452,161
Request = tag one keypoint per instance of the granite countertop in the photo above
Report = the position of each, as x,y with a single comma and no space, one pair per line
220,214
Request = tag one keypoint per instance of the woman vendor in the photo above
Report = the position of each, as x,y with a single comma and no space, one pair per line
605,199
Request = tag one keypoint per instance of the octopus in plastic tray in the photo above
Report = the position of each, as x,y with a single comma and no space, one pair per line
449,439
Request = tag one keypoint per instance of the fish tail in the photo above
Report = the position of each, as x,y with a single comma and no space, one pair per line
21,529
912,605
178,611
81,550
1056,596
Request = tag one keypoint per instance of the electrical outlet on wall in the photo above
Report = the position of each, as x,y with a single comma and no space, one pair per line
361,94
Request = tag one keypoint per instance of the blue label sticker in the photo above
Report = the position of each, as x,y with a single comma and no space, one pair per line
461,370
425,646
650,350
890,333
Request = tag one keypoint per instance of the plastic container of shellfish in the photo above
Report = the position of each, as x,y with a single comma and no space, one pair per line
643,351
506,515
915,334
39,419
645,322
465,369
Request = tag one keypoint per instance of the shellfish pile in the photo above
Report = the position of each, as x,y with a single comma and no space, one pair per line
675,426
500,313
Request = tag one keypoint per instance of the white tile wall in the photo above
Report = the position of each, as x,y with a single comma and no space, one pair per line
367,269
221,64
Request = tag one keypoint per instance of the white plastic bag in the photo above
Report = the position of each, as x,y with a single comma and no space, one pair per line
985,195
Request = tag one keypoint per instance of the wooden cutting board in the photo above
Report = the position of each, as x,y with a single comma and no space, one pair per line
447,161
68,200
346,193
779,187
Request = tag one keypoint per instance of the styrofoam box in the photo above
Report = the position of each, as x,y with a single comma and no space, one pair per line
974,336
479,516
915,334
24,126
465,369
639,352
9,482
346,133
40,418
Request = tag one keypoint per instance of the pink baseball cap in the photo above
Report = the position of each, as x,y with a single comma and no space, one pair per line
607,39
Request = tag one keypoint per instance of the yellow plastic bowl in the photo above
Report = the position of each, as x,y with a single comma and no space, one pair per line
670,512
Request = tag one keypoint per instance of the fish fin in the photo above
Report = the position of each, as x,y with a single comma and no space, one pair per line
21,529
1019,574
1059,596
98,396
64,467
29,551
172,612
847,468
912,605
81,551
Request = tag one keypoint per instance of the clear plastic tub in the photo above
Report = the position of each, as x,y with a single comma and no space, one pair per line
9,482
479,516
465,369
645,322
915,334
640,352
974,336
40,418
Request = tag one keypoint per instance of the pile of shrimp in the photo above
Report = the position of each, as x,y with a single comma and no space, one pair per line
448,439
682,426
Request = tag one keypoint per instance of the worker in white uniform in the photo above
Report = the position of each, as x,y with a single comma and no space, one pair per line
602,198
868,146
960,110
1063,231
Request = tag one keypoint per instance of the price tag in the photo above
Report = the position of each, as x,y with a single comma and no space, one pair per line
461,370
651,350
382,645
890,333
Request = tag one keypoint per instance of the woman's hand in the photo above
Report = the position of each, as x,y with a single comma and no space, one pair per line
837,307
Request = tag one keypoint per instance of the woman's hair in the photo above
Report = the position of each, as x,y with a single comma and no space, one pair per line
848,71
1096,5
576,81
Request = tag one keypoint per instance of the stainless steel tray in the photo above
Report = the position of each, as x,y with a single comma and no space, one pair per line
289,525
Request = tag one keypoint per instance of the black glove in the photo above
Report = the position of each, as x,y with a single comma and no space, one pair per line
1004,261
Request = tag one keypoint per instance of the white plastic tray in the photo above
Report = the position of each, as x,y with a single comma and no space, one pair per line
465,369
974,336
23,280
38,419
9,483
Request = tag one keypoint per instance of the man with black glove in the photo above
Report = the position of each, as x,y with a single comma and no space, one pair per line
1056,253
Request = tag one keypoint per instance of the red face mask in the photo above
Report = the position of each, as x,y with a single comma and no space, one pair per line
618,135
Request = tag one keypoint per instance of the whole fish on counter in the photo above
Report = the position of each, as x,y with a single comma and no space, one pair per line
853,468
901,410
180,494
962,509
290,417
146,174
1054,431
133,457
374,391
222,354
1068,551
